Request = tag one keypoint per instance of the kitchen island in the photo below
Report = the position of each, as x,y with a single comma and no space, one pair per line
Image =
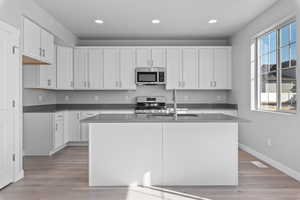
129,149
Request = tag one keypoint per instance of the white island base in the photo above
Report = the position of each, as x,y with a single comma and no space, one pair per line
123,154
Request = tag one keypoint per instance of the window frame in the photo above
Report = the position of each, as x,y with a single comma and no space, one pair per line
255,73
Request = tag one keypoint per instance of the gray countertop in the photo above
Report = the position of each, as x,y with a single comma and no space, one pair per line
133,118
61,107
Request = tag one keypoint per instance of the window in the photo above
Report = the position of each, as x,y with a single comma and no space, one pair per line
273,69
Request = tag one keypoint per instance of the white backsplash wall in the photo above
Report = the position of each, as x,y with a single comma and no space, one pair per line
38,97
126,97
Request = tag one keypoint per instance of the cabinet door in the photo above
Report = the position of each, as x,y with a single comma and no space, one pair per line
127,69
189,68
59,130
32,39
84,127
206,68
80,68
73,123
111,69
59,133
95,70
47,75
47,46
222,68
64,68
158,57
174,75
143,56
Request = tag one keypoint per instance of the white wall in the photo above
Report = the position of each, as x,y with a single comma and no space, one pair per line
124,97
282,129
12,10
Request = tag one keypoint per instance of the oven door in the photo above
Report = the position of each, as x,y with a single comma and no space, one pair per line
146,77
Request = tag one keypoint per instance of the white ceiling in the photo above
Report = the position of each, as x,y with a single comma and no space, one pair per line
131,19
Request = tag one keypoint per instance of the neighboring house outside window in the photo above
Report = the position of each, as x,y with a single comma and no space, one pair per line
273,69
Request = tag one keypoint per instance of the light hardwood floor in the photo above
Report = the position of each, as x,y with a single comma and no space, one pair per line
64,176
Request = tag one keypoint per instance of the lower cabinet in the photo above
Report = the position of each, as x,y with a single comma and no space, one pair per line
78,132
43,133
84,128
59,139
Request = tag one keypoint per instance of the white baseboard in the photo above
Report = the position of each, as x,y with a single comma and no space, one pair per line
281,167
57,150
19,176
77,144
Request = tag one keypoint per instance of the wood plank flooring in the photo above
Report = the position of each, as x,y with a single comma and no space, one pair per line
64,176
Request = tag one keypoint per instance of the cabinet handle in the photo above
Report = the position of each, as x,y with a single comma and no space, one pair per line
215,83
49,82
56,127
41,52
44,53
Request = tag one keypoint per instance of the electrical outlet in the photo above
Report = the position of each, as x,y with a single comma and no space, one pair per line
269,142
40,98
67,98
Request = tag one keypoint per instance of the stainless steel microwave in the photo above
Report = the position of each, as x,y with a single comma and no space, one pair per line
150,76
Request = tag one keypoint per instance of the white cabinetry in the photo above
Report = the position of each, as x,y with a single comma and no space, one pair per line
182,68
73,126
40,76
215,68
84,127
189,69
127,69
222,68
111,69
174,69
64,66
38,44
59,130
95,71
199,68
81,68
150,57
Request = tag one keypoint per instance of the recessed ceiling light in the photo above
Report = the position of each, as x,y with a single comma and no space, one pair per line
213,21
155,21
99,21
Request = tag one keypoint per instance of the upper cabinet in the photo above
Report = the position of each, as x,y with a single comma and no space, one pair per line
199,68
151,57
64,68
81,68
38,44
104,69
215,68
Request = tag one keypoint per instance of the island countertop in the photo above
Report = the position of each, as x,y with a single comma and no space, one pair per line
139,118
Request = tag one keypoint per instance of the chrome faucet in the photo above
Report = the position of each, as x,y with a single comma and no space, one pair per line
175,104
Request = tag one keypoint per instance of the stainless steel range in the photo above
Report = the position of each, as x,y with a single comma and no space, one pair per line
151,105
